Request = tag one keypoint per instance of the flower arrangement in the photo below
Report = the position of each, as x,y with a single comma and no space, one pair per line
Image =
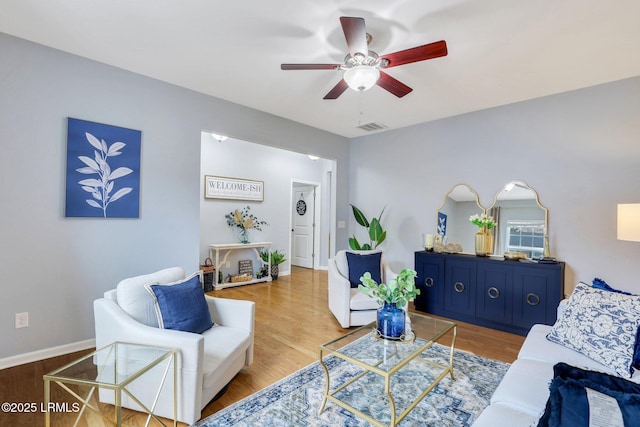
244,220
399,290
483,221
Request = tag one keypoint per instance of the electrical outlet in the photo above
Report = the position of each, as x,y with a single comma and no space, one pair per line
22,320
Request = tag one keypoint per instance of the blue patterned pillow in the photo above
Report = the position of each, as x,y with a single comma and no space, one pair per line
601,284
600,324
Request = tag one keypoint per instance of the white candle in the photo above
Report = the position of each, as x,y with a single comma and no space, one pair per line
428,241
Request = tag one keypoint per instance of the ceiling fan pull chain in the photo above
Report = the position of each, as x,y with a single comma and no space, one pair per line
360,95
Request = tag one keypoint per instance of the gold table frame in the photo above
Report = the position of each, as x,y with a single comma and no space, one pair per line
116,353
426,331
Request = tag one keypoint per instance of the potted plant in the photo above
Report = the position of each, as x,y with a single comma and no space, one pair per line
392,297
277,258
375,231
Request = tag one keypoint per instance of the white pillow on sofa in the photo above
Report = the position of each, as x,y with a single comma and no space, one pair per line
600,324
134,299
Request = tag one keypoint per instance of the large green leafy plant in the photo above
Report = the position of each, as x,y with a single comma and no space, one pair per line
399,290
376,233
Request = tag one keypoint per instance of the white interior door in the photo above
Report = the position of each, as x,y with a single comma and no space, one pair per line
303,223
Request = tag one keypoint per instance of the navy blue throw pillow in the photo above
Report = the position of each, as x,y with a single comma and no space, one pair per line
568,404
360,264
182,306
601,284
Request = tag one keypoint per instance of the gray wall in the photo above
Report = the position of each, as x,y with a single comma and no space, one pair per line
580,151
54,267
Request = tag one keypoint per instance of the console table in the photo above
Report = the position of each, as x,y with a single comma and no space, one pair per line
214,254
508,295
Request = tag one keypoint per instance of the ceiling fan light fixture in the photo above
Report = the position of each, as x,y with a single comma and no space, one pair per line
219,138
361,77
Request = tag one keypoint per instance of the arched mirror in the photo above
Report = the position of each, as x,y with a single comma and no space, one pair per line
522,221
453,223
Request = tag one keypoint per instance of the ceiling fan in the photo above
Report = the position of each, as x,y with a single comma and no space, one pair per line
363,67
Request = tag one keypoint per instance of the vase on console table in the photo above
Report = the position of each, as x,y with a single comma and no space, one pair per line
243,235
484,242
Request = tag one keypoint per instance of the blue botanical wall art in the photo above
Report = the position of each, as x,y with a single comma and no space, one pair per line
442,225
103,170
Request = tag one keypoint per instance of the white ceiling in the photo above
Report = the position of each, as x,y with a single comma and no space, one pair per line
500,51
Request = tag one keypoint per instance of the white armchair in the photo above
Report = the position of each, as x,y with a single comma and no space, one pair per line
207,362
350,306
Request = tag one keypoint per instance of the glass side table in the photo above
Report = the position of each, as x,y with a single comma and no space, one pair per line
113,369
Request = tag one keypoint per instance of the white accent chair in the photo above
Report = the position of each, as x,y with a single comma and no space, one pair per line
350,306
207,362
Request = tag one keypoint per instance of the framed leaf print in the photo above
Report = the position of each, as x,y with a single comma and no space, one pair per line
103,170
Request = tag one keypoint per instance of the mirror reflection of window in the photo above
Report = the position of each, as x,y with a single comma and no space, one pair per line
525,236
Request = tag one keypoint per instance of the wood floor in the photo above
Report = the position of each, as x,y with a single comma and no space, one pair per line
292,320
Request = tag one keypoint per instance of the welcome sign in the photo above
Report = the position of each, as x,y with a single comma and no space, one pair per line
219,187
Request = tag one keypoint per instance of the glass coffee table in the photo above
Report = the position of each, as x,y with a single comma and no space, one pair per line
113,370
384,358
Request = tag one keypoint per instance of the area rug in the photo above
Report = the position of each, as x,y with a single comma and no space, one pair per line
295,400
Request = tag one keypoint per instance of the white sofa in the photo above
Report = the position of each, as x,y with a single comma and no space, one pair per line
350,306
521,397
207,362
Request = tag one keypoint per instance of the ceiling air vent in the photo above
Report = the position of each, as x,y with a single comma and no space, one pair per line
372,126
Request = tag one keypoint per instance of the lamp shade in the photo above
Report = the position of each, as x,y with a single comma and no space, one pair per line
361,77
629,222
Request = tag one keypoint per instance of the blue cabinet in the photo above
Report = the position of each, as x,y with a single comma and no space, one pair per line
506,295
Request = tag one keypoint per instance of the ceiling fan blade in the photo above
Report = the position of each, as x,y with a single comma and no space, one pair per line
394,86
310,66
415,54
337,90
356,34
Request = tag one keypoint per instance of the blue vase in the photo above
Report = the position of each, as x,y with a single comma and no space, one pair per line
390,322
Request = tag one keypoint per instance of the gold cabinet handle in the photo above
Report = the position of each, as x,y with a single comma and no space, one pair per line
458,287
493,292
533,299
429,282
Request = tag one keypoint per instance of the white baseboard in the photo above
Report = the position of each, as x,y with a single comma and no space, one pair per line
34,356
